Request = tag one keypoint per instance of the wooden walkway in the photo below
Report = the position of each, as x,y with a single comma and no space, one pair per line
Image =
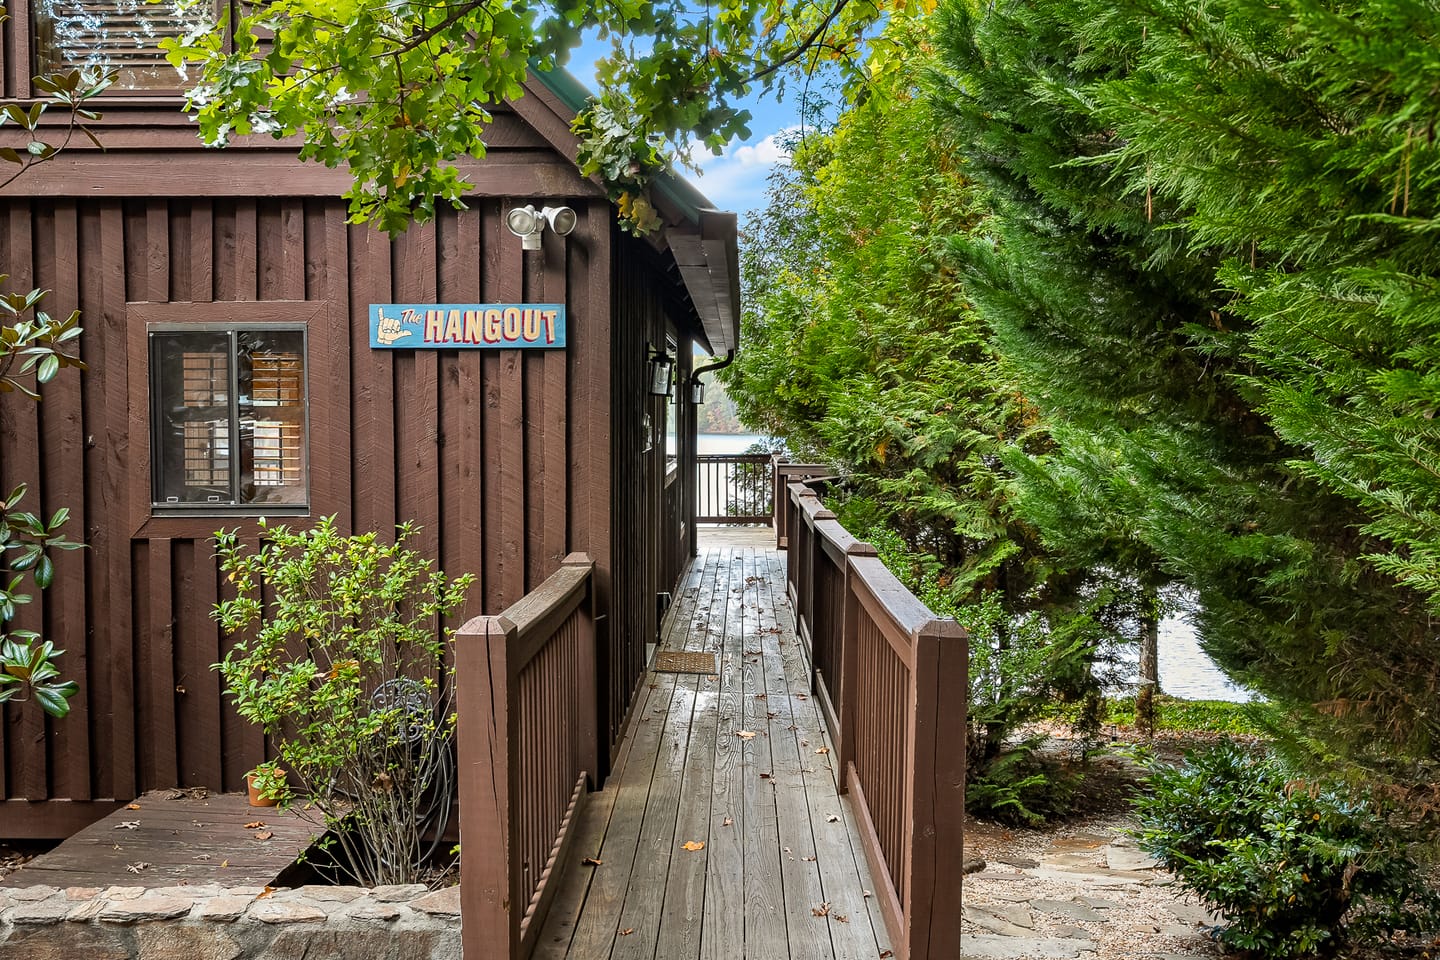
169,838
738,762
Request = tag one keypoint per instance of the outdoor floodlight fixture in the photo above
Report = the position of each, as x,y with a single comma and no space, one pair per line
528,224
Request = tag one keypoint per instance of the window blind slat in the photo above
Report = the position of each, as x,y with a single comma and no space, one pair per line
119,35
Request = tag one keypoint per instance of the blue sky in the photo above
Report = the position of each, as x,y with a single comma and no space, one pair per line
736,179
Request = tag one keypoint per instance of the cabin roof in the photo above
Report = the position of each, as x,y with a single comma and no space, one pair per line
703,240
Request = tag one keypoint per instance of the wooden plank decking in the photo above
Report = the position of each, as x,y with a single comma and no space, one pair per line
739,762
179,839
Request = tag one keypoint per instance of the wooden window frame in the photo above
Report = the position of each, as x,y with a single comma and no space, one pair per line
326,458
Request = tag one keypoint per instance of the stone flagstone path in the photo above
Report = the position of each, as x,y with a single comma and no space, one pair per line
1091,895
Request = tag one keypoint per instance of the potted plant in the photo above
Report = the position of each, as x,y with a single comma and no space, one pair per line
340,652
267,784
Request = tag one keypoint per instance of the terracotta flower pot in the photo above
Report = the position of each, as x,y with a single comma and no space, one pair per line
256,799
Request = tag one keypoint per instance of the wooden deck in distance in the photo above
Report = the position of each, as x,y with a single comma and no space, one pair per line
176,839
739,762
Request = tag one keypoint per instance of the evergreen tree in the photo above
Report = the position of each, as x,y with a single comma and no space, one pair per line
1190,251
862,350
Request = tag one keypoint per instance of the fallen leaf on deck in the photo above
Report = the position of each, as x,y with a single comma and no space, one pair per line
823,750
137,866
693,845
627,931
254,824
801,696
887,954
839,918
867,893
808,859
127,825
592,862
764,776
745,734
201,856
728,822
132,806
224,863
264,835
832,819
821,911
265,893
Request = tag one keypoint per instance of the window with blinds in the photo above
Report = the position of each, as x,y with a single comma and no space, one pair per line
113,35
228,417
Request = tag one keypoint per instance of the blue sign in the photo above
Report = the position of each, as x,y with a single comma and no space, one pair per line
446,326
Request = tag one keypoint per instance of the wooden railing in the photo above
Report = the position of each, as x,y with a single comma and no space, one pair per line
782,474
891,679
733,488
528,748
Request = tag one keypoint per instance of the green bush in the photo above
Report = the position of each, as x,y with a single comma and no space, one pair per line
1294,867
341,654
1172,713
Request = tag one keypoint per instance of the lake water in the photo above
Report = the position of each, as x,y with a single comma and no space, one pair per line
725,442
1185,670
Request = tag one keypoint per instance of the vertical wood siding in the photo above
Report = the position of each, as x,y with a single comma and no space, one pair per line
644,311
503,457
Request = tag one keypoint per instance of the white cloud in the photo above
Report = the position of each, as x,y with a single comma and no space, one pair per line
736,179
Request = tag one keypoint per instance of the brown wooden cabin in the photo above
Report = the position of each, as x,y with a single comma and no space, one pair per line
509,459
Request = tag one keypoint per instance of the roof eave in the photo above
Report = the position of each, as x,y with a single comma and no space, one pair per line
703,240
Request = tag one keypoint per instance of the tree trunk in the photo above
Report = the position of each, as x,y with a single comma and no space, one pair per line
1150,645
1149,681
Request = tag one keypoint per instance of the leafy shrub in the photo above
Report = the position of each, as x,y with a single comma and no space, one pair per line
339,656
1294,867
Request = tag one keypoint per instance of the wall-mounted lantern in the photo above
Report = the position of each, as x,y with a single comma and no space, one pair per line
697,386
658,368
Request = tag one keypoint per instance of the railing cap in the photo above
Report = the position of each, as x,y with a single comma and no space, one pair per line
831,531
486,624
942,628
906,612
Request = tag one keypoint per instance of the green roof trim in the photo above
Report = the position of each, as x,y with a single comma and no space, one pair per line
575,95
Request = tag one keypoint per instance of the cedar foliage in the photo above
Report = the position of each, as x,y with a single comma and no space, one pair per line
862,350
1212,268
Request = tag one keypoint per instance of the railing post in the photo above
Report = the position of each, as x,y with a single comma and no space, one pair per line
491,903
586,666
779,510
793,526
848,658
936,791
809,554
